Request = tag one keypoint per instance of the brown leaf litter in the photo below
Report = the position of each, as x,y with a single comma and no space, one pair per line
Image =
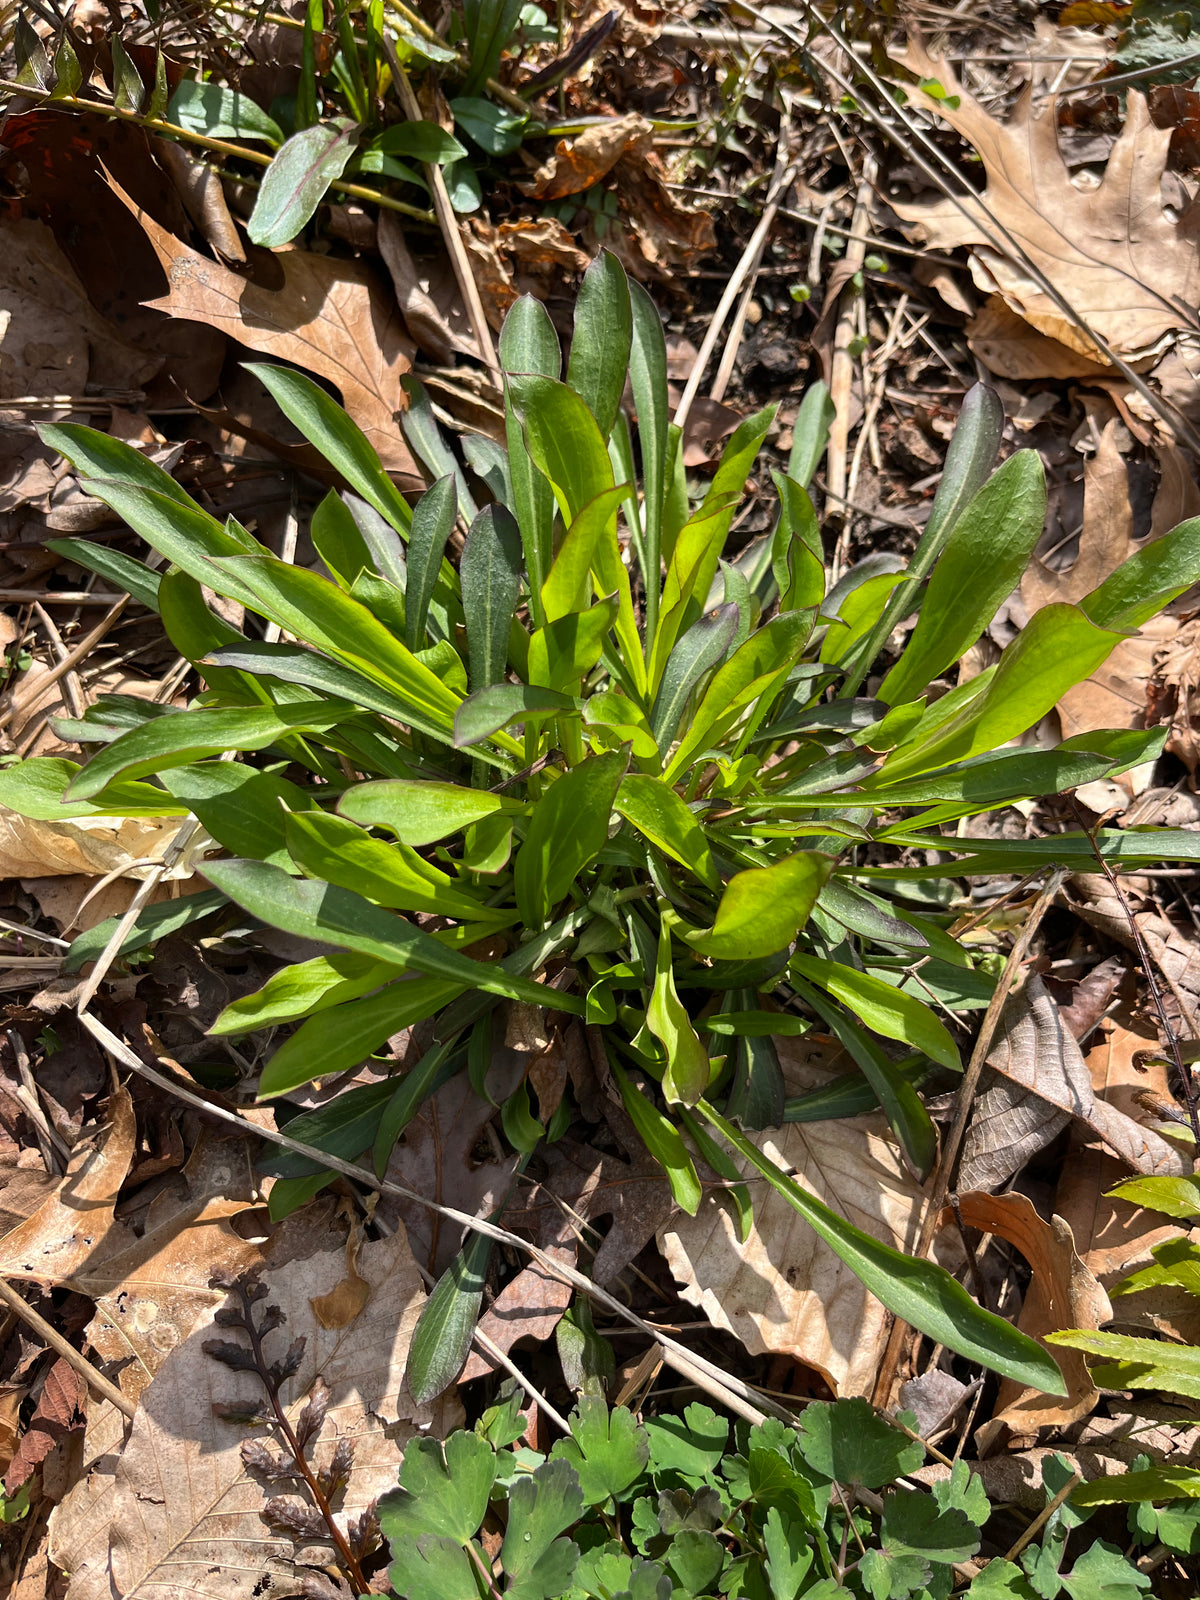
1112,251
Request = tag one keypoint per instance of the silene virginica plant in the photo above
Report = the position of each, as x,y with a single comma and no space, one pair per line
643,780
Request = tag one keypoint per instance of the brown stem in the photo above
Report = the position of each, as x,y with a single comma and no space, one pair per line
349,1560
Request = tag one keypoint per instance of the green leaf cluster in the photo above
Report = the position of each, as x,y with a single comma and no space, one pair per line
601,767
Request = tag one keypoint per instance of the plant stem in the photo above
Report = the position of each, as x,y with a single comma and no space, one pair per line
223,147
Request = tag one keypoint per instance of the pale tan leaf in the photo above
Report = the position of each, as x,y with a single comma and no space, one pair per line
1112,251
1062,1293
75,1226
181,1514
328,316
95,846
784,1291
1012,348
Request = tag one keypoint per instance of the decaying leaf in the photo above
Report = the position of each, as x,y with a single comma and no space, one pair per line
74,1227
784,1291
93,846
429,327
1036,1083
61,1411
1012,348
529,1307
1062,1294
1113,251
52,340
181,1514
328,316
580,162
1172,949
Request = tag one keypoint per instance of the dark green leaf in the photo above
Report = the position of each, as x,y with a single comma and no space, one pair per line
490,570
442,1338
607,1449
419,141
495,129
810,433
599,357
691,1444
432,519
129,92
488,710
568,827
489,25
153,923
443,1491
847,1443
242,808
528,343
702,646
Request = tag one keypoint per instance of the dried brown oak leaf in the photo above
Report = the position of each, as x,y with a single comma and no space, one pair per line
328,316
1062,1294
1037,1081
61,1411
784,1291
1113,252
181,1513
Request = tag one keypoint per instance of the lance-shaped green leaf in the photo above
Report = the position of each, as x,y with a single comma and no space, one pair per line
420,813
796,556
1134,1363
568,828
343,444
563,652
528,343
338,541
969,459
687,1073
1163,1481
764,908
923,1295
153,923
442,1338
68,74
702,646
432,519
1149,580
662,1138
485,712
420,141
810,433
1058,648
902,1105
489,25
177,741
303,988
36,787
754,671
318,612
421,430
490,571
346,1031
221,113
981,564
648,380
129,92
600,342
566,589
392,875
112,565
241,807
656,811
297,180
292,664
332,915
885,1009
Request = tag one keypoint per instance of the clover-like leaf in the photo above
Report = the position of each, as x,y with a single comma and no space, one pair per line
430,1568
1103,1573
964,1490
915,1525
444,1493
1001,1580
691,1445
847,1443
607,1450
890,1577
538,1564
677,1509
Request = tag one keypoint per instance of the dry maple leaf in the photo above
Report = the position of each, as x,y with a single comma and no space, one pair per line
1113,252
784,1291
328,316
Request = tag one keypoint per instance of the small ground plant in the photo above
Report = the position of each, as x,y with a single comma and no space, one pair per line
682,1505
596,767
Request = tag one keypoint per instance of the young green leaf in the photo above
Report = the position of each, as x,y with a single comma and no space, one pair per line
924,1295
563,652
662,1140
600,343
485,712
442,1338
568,828
887,1010
764,908
444,1490
688,1069
648,380
495,129
36,787
608,1450
702,646
297,180
538,1565
656,811
529,344
153,923
432,519
419,141
421,813
221,113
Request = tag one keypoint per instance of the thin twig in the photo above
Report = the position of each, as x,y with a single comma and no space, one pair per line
448,223
1043,1517
963,1109
94,1380
70,661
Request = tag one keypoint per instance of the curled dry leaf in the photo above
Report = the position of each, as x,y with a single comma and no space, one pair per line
328,316
1062,1293
61,1411
1012,348
580,162
784,1291
1173,950
202,193
1036,1083
1113,252
93,846
180,1513
74,1227
429,327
